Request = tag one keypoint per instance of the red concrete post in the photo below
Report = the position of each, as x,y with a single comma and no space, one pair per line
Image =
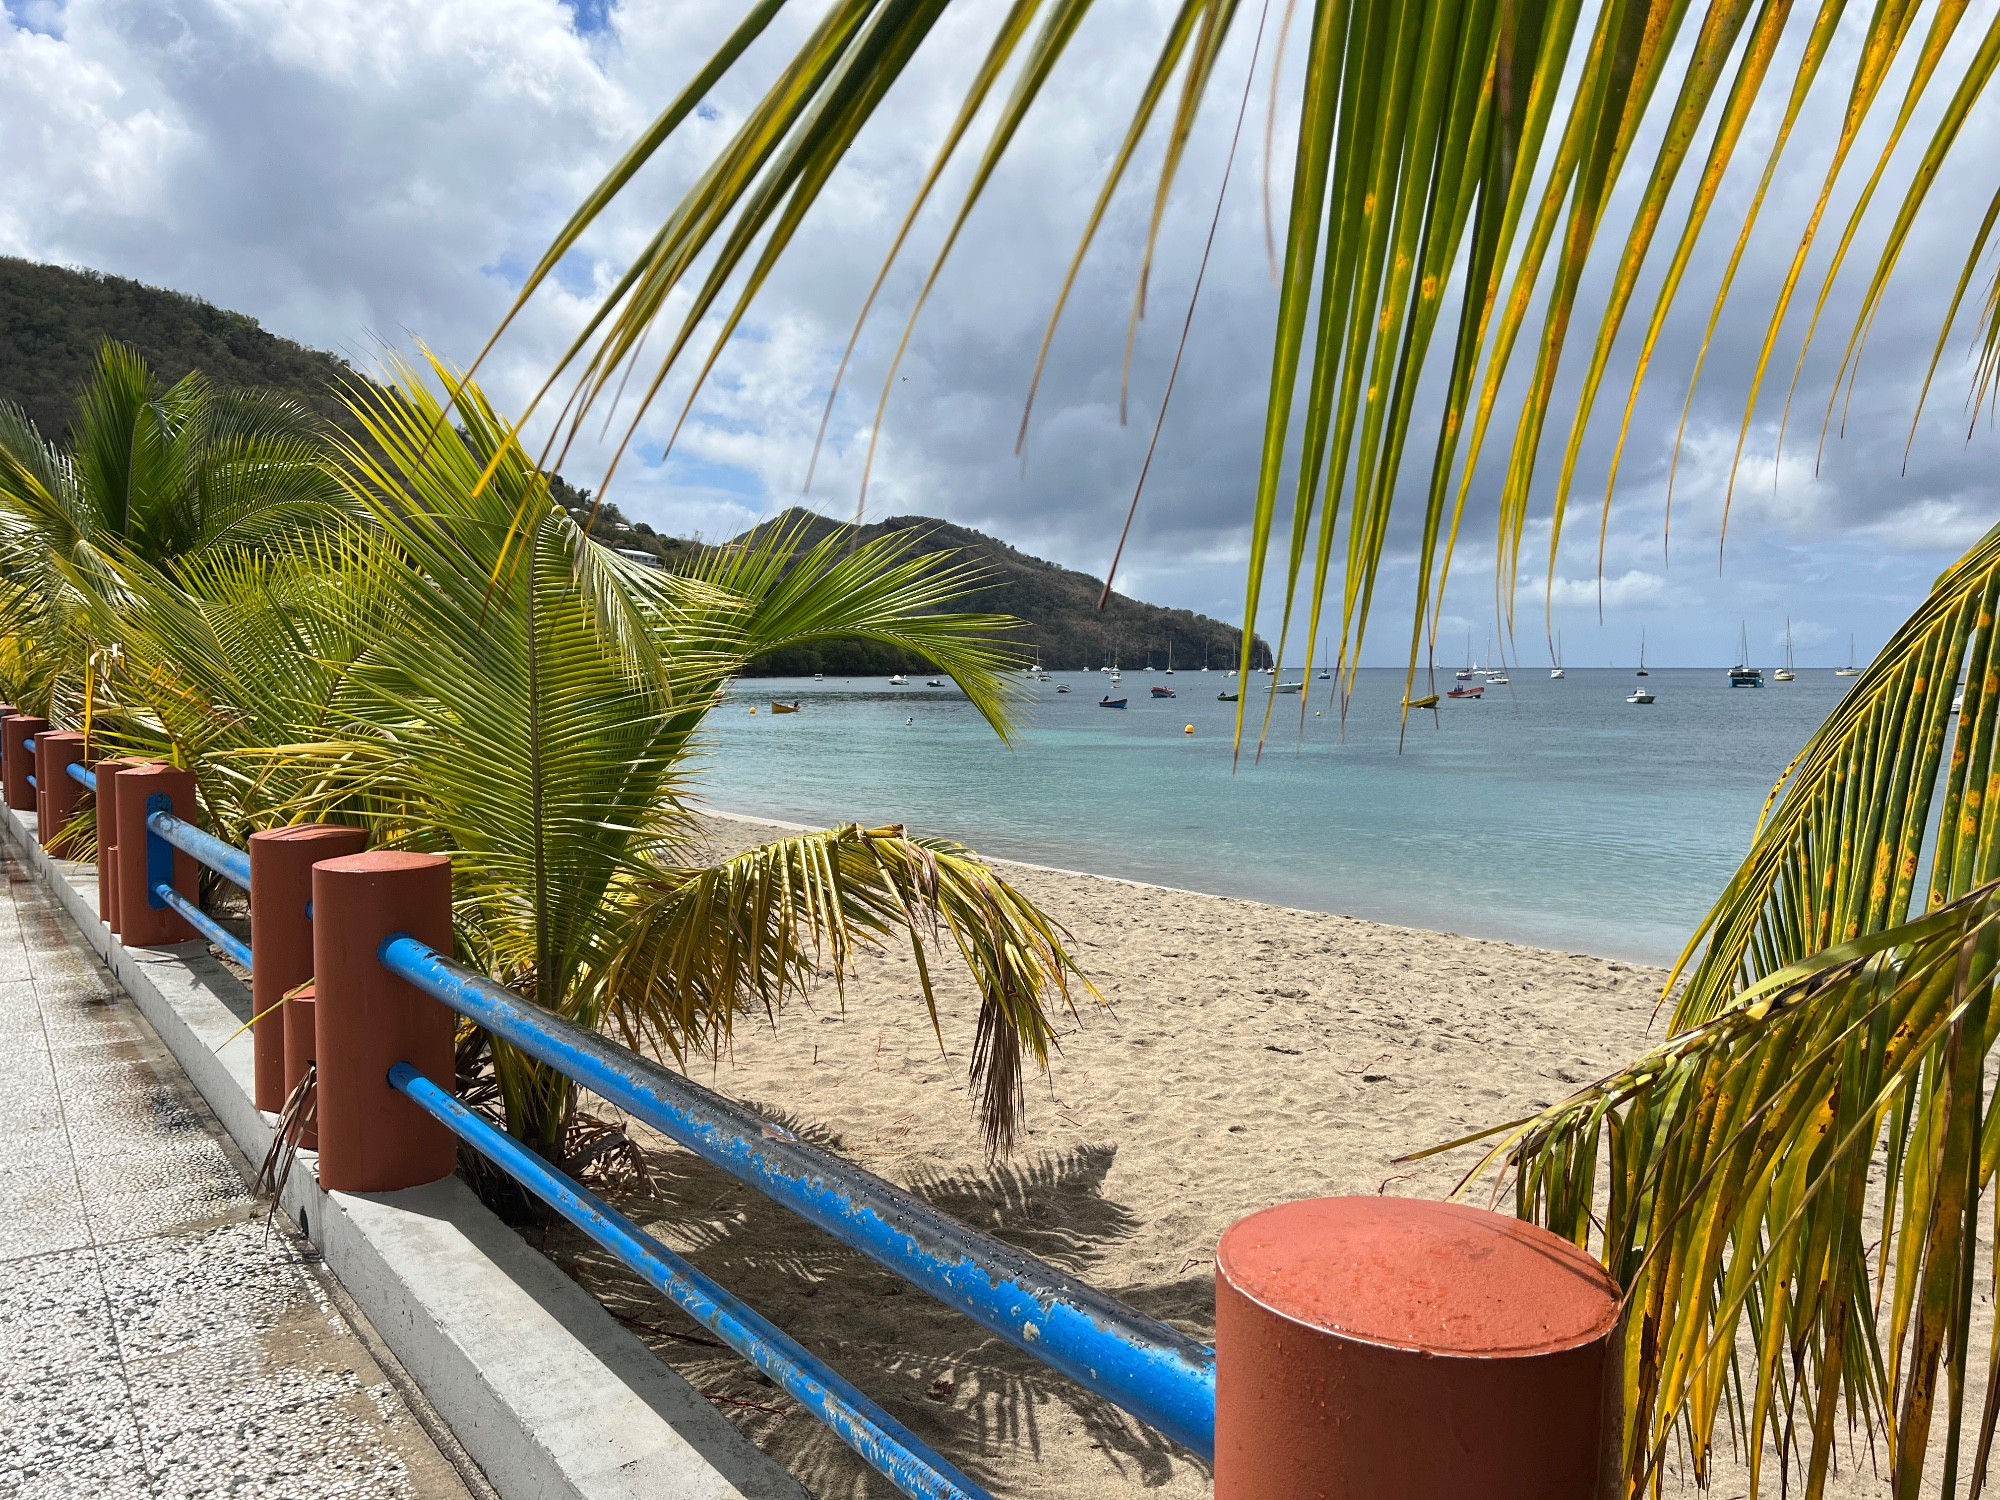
56,791
15,762
107,772
145,859
301,1045
1399,1349
281,941
372,1139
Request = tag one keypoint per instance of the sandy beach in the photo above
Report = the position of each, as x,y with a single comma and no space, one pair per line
1247,1055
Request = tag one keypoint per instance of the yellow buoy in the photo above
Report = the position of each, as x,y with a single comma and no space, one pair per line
1188,730
753,711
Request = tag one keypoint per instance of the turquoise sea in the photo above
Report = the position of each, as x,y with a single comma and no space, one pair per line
1550,812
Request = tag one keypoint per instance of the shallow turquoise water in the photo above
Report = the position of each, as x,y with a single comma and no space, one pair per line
1550,813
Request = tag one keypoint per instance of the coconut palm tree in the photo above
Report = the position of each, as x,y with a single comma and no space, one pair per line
167,476
463,670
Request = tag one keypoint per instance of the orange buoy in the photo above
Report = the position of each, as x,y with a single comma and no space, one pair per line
1188,730
753,713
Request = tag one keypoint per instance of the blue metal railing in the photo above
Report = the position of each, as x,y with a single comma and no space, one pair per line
31,781
228,861
29,744
203,923
1158,1374
80,772
888,1446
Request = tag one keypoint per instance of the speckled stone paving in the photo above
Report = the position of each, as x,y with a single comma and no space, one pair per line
155,1339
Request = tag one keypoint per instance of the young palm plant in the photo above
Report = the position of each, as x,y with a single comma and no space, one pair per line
161,476
464,671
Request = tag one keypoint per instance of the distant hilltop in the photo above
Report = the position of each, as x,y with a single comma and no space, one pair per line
1062,627
52,319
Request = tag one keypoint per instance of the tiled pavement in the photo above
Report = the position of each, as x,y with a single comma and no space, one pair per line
155,1340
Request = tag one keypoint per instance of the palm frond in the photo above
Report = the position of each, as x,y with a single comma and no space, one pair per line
1843,853
1446,179
755,929
1764,1280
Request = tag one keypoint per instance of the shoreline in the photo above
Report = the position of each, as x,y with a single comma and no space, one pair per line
705,810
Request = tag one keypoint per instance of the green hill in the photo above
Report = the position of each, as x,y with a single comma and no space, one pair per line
1063,627
53,318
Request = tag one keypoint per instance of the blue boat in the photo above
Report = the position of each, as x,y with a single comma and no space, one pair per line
1107,701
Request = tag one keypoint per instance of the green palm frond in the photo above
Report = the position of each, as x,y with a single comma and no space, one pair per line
1766,1279
1843,854
1449,191
756,927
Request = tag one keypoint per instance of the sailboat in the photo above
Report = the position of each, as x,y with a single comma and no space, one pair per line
1170,657
1466,675
1642,672
1850,670
1556,671
1324,674
1743,674
1785,673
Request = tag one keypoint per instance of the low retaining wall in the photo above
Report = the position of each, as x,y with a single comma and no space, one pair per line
553,1399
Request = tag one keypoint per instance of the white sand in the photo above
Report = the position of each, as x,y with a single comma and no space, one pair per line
1249,1055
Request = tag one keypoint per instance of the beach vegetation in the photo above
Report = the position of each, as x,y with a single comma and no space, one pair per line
457,667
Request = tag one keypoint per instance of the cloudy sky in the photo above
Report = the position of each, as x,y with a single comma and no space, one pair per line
359,176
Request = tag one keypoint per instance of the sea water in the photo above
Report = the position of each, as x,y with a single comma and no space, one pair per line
1547,812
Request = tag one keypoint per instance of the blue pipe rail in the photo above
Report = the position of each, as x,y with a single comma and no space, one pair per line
29,744
80,772
889,1447
228,861
31,780
201,922
1156,1373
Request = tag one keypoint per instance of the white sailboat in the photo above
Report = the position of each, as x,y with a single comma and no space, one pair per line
1556,671
1785,673
1850,670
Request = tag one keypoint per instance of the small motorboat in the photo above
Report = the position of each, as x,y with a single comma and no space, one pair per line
819,677
1107,701
1430,700
784,708
1226,697
899,680
1498,679
934,682
1642,695
1291,687
1467,692
1163,692
1062,687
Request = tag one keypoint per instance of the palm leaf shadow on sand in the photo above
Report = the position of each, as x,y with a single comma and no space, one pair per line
982,1403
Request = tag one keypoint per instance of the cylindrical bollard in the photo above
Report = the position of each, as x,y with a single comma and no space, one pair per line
1398,1349
281,943
372,1139
107,773
146,860
301,1041
56,791
15,762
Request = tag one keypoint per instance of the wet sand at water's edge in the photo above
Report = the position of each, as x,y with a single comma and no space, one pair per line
1248,1055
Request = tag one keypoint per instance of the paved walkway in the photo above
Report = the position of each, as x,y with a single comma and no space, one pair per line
154,1339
